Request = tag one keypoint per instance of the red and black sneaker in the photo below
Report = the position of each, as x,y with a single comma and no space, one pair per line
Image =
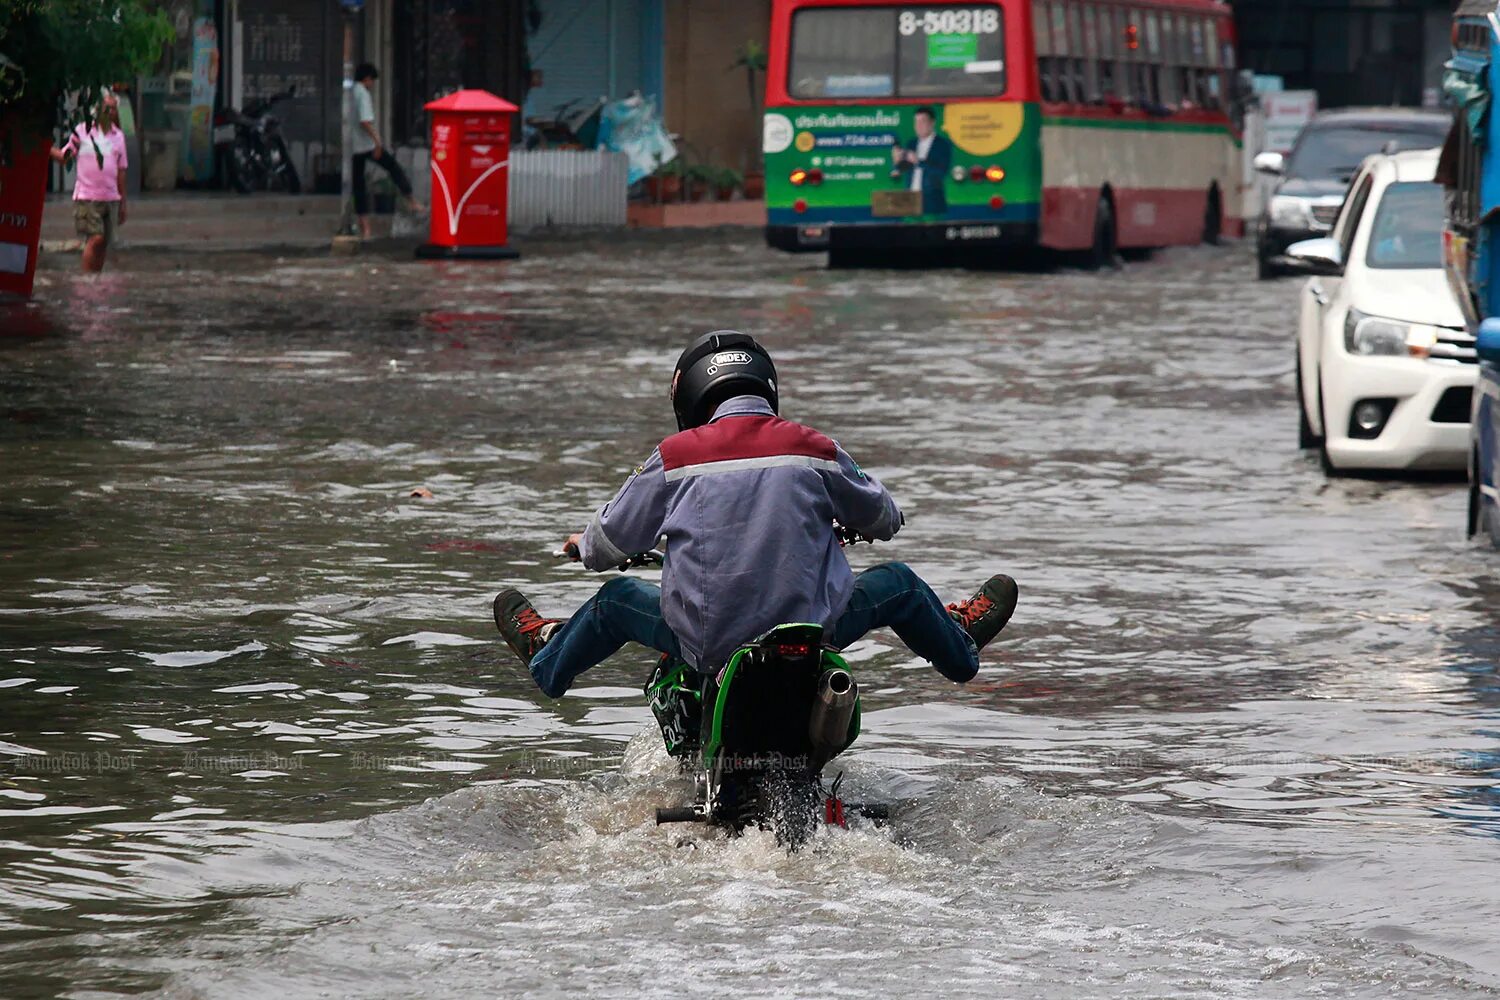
985,614
525,631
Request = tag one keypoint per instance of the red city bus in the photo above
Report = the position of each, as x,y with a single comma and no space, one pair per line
1065,124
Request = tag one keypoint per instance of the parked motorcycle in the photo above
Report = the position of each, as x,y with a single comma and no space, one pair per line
251,150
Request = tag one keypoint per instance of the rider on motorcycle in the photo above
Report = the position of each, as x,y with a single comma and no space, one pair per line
746,503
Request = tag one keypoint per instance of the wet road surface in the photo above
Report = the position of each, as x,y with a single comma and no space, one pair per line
257,737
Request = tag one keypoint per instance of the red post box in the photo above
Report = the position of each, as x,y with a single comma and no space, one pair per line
470,158
23,185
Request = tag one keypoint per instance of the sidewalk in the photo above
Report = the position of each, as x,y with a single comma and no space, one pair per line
209,220
213,220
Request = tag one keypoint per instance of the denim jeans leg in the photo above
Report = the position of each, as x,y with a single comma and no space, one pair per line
624,610
892,595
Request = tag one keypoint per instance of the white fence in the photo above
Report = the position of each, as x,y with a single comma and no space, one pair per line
567,188
553,187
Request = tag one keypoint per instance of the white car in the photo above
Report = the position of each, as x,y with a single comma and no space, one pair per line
1385,367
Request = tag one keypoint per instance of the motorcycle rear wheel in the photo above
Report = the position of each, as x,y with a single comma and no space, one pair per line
284,170
234,172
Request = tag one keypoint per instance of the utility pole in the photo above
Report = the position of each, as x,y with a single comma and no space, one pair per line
346,240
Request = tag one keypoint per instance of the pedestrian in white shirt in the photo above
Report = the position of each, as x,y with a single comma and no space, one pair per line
368,147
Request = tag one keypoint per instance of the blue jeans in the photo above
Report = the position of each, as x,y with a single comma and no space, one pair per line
629,610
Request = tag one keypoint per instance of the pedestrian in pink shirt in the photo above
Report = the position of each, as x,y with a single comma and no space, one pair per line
99,189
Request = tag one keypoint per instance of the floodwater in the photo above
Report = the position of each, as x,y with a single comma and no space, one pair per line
257,737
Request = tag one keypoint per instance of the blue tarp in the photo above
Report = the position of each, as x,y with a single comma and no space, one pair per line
1464,83
632,126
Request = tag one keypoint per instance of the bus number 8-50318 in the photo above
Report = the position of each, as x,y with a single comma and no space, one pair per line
963,21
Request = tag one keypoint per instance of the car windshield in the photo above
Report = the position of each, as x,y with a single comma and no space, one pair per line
1334,152
1408,227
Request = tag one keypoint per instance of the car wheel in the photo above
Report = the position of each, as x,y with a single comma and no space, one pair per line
1305,436
1213,218
1103,253
1476,518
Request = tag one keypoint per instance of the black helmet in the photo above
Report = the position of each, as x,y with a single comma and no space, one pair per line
714,368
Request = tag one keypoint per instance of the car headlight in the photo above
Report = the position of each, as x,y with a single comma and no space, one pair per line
1288,212
1374,336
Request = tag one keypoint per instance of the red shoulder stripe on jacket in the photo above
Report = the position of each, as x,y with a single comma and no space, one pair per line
737,438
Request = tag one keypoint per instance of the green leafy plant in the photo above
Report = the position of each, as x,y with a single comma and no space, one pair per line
54,50
751,57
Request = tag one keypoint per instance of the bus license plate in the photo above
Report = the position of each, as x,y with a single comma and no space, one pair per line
889,204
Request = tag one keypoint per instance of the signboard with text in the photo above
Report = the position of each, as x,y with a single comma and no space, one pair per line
1286,113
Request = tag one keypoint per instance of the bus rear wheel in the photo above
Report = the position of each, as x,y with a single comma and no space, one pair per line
1103,252
1213,218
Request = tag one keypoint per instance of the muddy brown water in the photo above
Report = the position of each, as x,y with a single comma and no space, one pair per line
257,737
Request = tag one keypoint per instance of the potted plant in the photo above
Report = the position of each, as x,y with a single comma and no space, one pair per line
665,184
754,184
52,50
751,57
726,182
698,179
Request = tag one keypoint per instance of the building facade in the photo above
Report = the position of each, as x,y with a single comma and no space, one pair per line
1352,52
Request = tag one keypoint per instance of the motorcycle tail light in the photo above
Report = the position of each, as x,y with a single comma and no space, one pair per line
793,652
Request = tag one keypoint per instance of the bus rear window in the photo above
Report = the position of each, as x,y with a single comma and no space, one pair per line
917,52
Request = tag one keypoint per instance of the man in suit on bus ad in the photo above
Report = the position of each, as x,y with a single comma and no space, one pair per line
928,158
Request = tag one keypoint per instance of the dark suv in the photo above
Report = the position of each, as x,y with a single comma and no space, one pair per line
1313,177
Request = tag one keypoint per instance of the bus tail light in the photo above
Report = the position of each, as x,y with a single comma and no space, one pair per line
976,173
997,202
800,205
799,176
995,174
959,175
815,176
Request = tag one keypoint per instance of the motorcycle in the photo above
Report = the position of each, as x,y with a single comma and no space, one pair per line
573,125
249,145
758,734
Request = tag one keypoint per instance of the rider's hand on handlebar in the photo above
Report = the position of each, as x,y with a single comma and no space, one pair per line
570,547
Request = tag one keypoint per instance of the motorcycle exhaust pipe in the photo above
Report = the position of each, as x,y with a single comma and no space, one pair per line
833,708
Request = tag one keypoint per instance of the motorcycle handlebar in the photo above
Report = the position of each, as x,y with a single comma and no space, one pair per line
652,558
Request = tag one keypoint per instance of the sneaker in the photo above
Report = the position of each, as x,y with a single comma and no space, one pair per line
525,631
985,614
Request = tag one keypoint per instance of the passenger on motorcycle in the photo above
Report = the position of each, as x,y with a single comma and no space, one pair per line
746,504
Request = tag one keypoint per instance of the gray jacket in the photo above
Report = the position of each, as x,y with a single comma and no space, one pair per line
746,505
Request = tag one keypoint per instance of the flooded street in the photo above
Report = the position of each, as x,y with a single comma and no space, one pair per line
258,736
